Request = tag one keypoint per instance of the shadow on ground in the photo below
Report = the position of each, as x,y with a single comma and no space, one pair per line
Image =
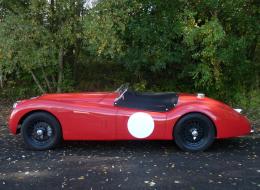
228,164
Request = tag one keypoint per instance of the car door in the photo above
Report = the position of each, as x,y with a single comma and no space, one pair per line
90,122
139,124
98,123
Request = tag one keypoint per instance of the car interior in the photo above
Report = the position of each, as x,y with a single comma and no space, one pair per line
150,101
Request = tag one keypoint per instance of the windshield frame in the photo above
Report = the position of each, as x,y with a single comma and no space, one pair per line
121,91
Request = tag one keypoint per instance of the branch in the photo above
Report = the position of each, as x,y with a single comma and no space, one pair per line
1,79
37,82
60,74
46,80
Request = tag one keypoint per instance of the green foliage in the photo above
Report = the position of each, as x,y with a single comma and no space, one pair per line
25,45
210,46
135,33
37,38
204,42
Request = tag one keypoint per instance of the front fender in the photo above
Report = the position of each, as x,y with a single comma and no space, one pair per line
23,109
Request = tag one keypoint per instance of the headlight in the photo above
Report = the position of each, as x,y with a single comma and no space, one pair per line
15,104
238,110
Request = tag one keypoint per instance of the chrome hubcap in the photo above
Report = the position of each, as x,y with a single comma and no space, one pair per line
194,133
39,132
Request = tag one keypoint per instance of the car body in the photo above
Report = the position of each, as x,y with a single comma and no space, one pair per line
95,116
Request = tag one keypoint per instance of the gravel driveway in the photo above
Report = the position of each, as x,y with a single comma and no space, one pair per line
228,164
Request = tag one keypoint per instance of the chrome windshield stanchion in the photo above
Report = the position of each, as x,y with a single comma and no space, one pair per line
121,95
121,90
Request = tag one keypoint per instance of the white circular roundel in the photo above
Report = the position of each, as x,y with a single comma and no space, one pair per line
140,125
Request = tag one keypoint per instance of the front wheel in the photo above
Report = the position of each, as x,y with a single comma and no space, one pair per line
194,132
41,131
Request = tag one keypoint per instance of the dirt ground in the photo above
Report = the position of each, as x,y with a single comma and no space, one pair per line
228,164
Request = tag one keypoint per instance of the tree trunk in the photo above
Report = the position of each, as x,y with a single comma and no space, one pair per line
77,45
37,82
257,72
253,56
52,12
1,79
60,74
53,80
257,80
46,80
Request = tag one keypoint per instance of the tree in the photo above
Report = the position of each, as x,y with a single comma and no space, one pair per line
38,38
187,45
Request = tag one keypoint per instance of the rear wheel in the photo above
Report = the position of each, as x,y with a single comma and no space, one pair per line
194,132
41,131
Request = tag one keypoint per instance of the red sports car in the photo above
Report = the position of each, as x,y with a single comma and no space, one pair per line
193,121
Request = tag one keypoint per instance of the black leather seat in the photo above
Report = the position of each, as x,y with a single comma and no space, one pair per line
157,102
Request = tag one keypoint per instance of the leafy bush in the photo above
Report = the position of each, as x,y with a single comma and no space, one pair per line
184,46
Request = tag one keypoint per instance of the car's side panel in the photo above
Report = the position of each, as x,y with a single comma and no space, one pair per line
90,122
123,132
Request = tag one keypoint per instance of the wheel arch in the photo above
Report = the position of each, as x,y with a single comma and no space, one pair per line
206,115
18,130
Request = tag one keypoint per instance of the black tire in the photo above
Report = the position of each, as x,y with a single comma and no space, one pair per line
41,131
194,132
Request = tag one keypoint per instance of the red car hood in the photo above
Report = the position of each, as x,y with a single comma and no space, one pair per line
76,97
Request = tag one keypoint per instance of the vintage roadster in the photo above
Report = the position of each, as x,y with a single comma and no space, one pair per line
192,120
